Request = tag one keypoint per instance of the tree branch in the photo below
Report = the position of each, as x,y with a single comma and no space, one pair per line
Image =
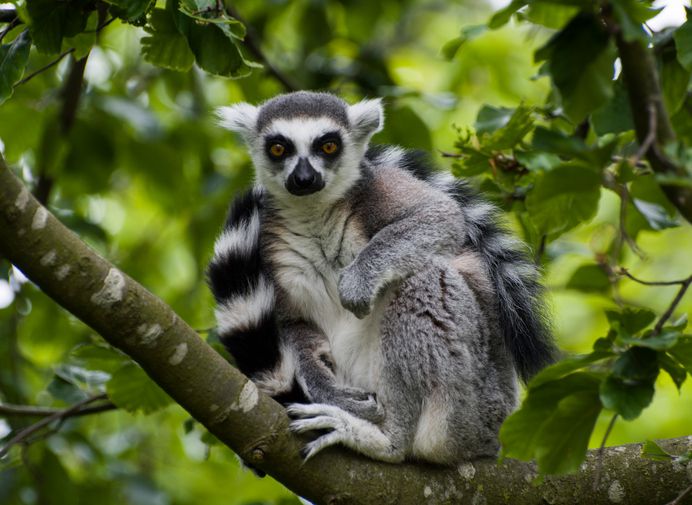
651,121
10,410
23,435
256,427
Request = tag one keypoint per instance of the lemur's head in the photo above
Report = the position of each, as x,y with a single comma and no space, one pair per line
306,143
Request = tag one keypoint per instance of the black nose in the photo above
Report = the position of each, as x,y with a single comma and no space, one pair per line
304,180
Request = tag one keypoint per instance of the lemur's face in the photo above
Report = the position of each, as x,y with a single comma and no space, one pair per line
305,143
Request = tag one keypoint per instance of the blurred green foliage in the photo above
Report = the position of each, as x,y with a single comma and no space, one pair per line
142,173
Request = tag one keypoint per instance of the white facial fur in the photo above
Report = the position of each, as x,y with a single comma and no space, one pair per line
366,119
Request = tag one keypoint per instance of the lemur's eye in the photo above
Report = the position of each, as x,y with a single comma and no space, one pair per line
330,147
277,150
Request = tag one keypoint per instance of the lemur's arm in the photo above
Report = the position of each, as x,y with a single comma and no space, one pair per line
399,249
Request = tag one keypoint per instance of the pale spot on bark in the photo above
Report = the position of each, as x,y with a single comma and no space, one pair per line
40,219
427,492
21,232
616,493
48,258
467,471
62,272
247,399
178,354
148,334
22,199
213,407
112,291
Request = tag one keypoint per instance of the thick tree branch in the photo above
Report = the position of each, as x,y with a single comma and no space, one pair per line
253,425
651,121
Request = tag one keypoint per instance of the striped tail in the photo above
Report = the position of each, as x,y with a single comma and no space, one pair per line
243,289
514,276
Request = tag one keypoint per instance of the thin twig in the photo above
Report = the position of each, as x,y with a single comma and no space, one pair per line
626,273
13,23
669,312
446,154
44,68
27,432
599,456
650,136
681,496
11,410
252,43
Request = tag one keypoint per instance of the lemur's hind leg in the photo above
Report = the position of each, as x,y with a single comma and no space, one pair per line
315,373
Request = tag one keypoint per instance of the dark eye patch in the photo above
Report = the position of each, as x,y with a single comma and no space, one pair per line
327,137
278,139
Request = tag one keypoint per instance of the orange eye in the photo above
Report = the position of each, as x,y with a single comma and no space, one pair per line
329,147
277,150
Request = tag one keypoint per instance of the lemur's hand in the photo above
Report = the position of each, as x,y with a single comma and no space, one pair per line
355,292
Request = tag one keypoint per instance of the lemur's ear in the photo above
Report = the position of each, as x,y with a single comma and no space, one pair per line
366,117
240,118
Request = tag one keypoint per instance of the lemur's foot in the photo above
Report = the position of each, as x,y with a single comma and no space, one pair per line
359,403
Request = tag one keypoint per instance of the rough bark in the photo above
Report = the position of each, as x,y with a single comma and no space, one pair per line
134,320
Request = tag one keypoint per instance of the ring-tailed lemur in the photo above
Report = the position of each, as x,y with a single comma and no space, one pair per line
381,292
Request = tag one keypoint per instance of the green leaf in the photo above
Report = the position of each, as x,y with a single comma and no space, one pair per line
99,357
683,41
556,142
567,366
676,371
207,11
630,15
651,450
589,278
637,364
565,437
563,198
131,9
215,52
537,161
519,125
682,351
13,59
568,405
492,118
615,116
627,398
631,320
675,80
130,388
580,61
665,340
51,21
450,49
550,15
502,17
651,205
166,46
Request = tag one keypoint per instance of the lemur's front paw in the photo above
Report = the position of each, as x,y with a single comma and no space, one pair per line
355,294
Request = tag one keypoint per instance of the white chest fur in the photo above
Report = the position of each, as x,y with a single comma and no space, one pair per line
307,261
